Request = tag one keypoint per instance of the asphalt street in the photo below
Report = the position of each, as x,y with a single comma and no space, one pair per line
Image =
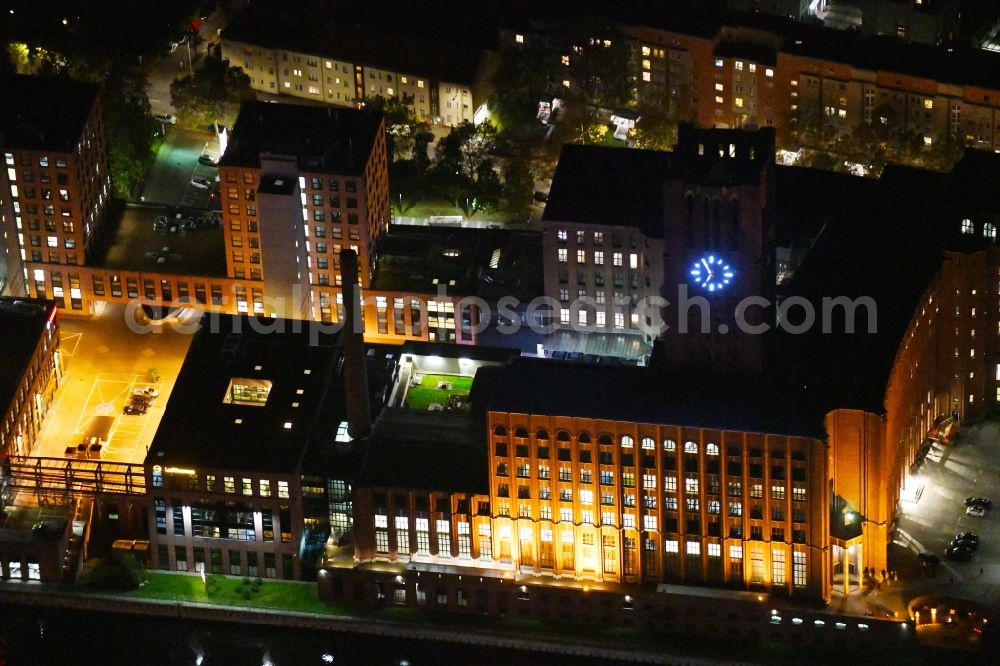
948,476
169,179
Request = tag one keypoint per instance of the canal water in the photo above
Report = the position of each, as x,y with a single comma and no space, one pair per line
44,637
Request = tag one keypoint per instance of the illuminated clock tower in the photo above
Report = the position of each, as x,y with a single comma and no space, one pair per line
718,249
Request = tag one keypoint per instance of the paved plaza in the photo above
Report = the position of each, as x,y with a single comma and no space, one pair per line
104,361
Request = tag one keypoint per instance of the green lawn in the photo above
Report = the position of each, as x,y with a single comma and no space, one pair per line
230,591
420,397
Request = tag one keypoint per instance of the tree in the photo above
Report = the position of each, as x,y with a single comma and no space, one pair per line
401,123
421,142
130,130
487,188
464,148
519,186
523,77
211,95
656,129
598,64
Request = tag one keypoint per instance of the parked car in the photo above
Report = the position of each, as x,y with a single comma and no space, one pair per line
146,392
206,160
970,537
976,511
960,553
136,407
984,502
201,183
167,118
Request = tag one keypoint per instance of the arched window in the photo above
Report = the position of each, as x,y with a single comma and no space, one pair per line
669,445
627,442
968,227
562,436
690,447
542,434
990,231
583,438
500,431
520,432
711,449
604,439
648,443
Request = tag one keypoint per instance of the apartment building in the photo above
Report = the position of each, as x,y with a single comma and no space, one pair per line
298,184
334,64
56,182
31,371
924,21
748,71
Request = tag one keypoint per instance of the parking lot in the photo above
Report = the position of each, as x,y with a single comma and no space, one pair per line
168,181
104,362
138,244
969,467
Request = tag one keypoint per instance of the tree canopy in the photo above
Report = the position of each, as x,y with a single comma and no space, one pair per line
212,94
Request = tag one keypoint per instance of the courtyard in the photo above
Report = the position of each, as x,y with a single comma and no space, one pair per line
969,467
438,392
104,361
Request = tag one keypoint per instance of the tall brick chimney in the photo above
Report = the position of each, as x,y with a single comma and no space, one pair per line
355,366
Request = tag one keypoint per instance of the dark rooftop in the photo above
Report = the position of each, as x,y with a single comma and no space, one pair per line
202,425
644,395
425,450
609,186
625,187
44,113
485,262
22,323
882,240
135,245
339,33
324,139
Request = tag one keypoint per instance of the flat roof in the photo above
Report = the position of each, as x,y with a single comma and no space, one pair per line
610,186
884,240
22,323
346,34
44,113
135,245
426,450
484,262
324,138
203,426
644,395
625,187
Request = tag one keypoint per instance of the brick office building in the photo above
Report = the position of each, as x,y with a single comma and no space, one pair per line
55,185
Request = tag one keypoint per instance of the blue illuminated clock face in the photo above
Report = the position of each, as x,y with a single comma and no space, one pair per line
712,273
